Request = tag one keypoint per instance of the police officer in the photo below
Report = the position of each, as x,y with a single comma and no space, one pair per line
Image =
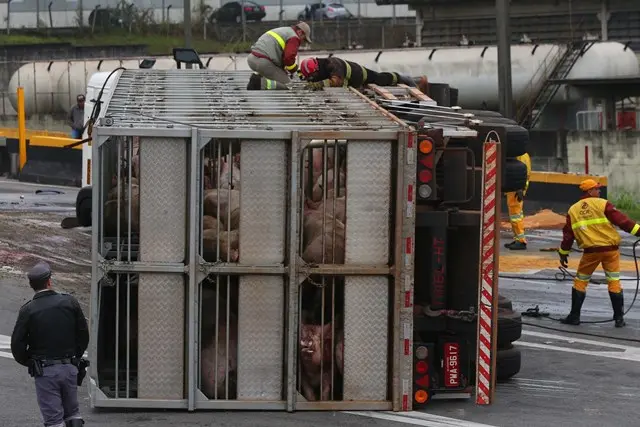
49,337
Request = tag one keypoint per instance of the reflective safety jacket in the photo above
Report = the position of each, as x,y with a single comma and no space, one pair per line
591,223
527,161
280,46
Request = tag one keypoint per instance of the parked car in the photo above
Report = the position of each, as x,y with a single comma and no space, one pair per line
324,11
232,12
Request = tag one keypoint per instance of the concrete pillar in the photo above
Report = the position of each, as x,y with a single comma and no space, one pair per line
603,17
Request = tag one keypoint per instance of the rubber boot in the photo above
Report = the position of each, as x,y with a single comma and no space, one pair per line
617,302
516,245
75,422
577,298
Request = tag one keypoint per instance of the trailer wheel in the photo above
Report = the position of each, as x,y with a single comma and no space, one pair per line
504,302
517,140
84,213
509,327
508,363
515,175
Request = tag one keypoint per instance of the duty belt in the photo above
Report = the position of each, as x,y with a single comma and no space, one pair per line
50,362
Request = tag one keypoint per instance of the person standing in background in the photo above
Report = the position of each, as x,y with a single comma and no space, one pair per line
76,118
515,203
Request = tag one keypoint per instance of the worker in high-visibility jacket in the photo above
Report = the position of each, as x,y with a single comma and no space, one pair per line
257,82
274,54
591,222
515,203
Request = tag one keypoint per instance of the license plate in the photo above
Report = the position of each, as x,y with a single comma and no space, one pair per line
452,365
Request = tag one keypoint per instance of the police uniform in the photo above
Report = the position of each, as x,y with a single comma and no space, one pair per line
590,222
50,335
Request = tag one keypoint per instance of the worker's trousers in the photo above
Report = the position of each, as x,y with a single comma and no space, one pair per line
589,262
516,217
268,69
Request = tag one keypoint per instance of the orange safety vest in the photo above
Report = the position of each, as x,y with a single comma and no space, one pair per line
591,227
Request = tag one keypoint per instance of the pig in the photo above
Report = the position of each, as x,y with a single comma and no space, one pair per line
320,185
313,250
210,222
339,351
211,203
214,378
210,237
313,226
234,219
340,207
316,352
135,166
111,213
229,174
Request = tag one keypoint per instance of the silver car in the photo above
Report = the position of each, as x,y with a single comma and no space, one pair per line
323,10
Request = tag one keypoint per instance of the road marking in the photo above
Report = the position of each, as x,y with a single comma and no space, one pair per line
419,419
630,353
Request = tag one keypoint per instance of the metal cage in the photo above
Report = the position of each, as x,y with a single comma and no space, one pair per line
155,273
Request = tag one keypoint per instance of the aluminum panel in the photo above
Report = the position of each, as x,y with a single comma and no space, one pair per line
366,334
161,336
260,337
163,199
263,202
368,202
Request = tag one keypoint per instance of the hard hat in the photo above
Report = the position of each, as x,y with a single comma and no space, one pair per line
308,66
304,27
589,184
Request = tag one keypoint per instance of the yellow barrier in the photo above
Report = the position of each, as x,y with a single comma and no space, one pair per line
22,130
13,133
565,178
53,141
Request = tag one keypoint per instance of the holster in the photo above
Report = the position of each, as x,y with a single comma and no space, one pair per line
82,365
35,368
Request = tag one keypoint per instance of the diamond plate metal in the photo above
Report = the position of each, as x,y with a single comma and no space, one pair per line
163,199
368,202
161,336
366,332
260,337
263,202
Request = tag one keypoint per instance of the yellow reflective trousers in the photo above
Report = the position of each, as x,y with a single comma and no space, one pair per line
610,261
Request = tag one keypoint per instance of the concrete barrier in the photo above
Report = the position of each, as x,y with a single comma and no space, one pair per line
48,161
555,191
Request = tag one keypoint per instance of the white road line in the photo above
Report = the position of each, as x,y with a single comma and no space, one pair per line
623,352
419,419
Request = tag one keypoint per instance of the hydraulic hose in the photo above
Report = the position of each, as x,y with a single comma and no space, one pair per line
562,275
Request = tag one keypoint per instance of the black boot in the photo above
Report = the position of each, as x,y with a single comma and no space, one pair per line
577,298
76,422
516,245
617,302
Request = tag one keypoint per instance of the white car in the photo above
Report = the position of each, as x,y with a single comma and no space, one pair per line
323,10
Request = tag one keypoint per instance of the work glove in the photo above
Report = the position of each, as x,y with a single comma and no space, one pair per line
519,195
564,260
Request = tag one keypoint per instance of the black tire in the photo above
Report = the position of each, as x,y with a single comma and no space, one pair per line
515,176
83,213
509,327
517,136
508,363
504,302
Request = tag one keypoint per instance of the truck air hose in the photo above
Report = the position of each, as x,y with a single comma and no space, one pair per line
562,275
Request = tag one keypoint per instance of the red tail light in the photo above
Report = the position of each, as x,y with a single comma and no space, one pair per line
262,8
426,152
248,8
422,358
330,9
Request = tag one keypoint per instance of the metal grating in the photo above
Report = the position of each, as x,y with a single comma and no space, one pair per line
219,100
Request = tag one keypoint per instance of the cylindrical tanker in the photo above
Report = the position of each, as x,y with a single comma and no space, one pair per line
38,80
473,70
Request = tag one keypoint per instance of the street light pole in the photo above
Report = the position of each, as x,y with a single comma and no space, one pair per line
187,23
504,58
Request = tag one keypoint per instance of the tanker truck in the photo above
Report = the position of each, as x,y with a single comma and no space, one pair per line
252,252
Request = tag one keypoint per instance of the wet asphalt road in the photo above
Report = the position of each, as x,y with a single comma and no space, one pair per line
566,379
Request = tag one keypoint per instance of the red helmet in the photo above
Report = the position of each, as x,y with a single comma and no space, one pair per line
308,66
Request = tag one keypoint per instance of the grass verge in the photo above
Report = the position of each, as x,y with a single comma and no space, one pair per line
157,44
628,204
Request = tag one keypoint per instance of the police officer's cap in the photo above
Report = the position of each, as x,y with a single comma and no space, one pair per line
39,272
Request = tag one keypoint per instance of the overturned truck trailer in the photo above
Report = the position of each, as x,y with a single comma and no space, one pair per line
230,269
